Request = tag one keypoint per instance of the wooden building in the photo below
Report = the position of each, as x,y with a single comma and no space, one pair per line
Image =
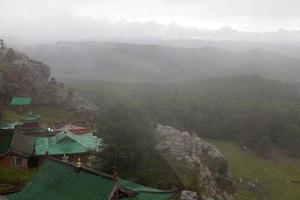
23,104
31,126
66,143
25,144
16,150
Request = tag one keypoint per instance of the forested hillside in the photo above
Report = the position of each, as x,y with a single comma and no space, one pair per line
253,111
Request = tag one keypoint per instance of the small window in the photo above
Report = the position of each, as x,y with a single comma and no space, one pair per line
18,161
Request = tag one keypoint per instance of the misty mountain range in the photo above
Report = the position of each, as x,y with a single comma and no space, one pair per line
156,63
284,47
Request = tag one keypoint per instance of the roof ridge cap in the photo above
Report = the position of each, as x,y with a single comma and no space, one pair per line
75,137
158,191
86,169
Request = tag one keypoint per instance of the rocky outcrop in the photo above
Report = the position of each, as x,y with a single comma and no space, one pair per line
196,153
56,93
21,76
188,195
25,77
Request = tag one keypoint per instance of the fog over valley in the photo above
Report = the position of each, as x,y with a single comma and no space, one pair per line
150,100
133,62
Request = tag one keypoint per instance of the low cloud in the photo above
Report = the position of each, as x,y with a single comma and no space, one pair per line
50,21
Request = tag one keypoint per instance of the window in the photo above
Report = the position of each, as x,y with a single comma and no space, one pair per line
18,161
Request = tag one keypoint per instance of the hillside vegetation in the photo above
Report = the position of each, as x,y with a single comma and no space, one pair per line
232,107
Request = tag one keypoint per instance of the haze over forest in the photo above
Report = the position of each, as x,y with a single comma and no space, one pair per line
208,89
240,38
131,62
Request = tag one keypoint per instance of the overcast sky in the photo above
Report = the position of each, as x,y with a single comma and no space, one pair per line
96,19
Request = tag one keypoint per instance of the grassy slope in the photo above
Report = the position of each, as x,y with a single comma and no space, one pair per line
9,115
272,177
11,178
47,114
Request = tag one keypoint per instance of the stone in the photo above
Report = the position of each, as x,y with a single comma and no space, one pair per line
209,198
193,152
188,195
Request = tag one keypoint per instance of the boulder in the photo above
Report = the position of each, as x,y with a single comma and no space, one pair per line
195,152
188,195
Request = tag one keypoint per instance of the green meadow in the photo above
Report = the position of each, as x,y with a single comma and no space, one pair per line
269,179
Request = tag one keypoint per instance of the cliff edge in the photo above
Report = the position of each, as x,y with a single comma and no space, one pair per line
21,76
189,151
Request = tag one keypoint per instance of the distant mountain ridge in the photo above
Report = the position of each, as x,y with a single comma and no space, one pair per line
155,63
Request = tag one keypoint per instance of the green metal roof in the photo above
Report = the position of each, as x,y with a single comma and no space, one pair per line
5,141
22,143
65,142
7,126
16,141
151,196
145,193
20,101
60,181
56,181
30,117
136,187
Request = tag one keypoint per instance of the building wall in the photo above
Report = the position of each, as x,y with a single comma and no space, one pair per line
5,162
8,161
30,124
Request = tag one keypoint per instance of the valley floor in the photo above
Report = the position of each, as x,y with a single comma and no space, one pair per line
258,178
